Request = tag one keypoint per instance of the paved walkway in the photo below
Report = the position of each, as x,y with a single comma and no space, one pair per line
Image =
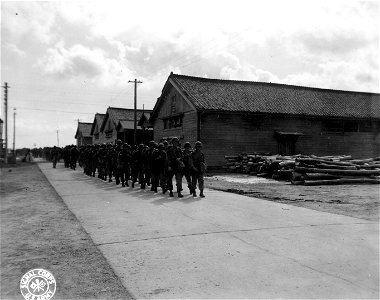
222,246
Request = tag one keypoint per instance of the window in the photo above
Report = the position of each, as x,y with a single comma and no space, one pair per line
173,105
173,122
109,134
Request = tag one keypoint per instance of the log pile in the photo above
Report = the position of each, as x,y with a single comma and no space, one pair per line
336,170
306,170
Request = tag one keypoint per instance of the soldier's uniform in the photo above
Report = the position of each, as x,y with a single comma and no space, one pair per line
186,170
54,156
102,156
123,160
137,168
109,162
158,159
94,160
175,167
198,167
73,157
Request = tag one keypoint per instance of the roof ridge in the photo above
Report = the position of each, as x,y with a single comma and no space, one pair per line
142,109
268,83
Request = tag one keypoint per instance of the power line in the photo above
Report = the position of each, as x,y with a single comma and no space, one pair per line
60,111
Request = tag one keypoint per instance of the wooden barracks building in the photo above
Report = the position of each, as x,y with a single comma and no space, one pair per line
231,117
116,123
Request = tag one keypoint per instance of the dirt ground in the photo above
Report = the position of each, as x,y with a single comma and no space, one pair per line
38,231
359,201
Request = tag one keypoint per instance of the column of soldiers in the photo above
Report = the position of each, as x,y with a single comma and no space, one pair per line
154,165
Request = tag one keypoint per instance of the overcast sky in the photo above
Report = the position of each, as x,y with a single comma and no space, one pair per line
66,60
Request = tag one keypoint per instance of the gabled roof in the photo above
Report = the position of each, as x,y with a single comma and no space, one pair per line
98,119
125,124
117,114
260,97
84,129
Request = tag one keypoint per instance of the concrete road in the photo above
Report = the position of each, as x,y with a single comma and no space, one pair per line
222,246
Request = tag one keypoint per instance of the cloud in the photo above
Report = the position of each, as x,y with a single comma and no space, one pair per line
14,49
79,62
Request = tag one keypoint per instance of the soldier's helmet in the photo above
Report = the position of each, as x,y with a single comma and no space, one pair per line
198,144
161,146
175,140
127,146
155,145
119,142
165,143
187,145
141,146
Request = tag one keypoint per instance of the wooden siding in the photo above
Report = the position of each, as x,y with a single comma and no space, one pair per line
230,134
188,131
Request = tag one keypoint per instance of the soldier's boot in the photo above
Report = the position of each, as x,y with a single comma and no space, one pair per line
133,184
117,181
142,186
110,180
164,190
152,188
201,194
171,194
122,184
155,190
179,194
190,189
126,183
194,193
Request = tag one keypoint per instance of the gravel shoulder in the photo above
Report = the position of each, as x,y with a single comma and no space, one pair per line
358,201
38,231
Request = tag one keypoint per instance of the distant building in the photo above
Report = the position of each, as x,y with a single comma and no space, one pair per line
231,117
97,135
118,123
83,134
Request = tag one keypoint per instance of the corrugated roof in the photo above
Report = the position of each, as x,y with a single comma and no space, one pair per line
260,97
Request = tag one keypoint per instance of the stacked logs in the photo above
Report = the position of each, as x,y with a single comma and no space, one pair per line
336,170
306,170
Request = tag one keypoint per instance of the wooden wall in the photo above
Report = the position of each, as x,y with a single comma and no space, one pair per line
188,131
231,134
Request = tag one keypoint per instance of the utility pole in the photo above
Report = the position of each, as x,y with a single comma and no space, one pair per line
14,132
6,121
135,117
57,138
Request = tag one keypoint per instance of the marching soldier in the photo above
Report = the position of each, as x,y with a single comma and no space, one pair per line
73,157
94,159
158,159
175,166
54,156
123,159
198,167
109,162
186,170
